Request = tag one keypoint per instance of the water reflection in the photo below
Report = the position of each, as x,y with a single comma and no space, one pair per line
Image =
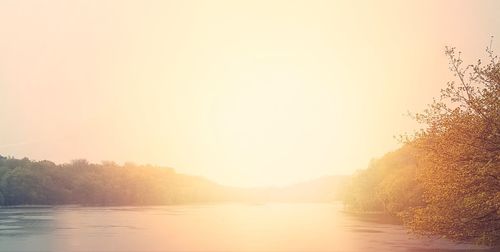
226,227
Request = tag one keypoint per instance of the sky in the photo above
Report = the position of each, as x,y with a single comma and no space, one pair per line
246,93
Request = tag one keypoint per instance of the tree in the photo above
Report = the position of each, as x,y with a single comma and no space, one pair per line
460,146
387,185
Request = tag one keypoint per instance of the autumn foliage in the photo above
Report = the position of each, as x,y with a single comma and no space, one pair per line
461,150
455,175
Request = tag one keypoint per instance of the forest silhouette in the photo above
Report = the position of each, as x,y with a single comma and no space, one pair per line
29,182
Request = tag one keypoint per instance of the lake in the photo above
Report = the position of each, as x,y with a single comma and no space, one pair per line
220,227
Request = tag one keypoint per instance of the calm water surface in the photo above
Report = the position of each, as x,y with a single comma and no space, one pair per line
225,227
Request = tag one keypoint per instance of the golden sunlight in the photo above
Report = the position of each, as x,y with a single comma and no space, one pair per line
263,125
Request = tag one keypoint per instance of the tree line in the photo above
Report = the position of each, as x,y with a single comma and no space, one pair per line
27,182
445,180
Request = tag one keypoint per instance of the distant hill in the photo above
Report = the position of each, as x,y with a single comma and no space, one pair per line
323,189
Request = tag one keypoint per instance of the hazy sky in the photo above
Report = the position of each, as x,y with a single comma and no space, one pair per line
242,92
